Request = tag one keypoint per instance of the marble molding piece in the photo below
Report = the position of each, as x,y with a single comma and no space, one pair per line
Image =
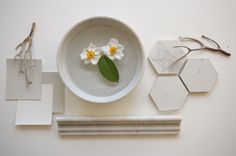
199,75
58,90
163,55
118,125
168,93
16,87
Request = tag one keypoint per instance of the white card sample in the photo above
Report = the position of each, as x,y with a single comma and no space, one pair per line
36,112
16,87
58,90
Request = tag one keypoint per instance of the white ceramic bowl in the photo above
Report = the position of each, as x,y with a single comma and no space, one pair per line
86,81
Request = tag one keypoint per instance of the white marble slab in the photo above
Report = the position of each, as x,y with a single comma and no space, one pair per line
168,93
199,75
36,112
16,87
163,55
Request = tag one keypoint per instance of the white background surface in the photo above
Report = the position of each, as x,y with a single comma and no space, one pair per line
209,120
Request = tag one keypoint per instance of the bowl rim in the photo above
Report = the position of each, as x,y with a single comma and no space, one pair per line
104,100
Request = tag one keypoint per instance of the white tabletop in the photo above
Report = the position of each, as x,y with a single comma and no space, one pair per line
209,120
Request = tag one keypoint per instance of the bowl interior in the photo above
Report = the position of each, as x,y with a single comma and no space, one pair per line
85,80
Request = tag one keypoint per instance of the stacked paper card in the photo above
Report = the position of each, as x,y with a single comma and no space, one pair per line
35,102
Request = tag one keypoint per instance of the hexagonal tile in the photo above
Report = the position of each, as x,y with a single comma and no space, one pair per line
163,55
168,93
199,75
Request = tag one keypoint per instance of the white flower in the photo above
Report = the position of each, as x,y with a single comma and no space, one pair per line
113,49
91,54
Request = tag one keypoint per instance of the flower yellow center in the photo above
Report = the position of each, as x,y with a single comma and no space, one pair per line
90,54
113,50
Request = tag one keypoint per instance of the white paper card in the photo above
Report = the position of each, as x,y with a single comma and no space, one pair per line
16,84
36,112
58,90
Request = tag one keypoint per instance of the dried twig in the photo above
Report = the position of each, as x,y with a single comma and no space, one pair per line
202,47
25,54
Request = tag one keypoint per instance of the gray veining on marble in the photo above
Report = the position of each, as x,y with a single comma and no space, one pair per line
163,55
199,75
168,93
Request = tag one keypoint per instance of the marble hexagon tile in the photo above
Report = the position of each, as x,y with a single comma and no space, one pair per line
163,55
199,75
168,93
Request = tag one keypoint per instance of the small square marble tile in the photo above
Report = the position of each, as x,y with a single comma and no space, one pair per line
168,93
163,55
199,75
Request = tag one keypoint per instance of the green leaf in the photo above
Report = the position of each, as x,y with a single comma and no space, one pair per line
108,69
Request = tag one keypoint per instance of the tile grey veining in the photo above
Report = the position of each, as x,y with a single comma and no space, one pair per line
168,93
163,55
199,75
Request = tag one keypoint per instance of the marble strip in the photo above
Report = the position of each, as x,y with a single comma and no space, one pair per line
121,133
118,119
142,127
118,125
